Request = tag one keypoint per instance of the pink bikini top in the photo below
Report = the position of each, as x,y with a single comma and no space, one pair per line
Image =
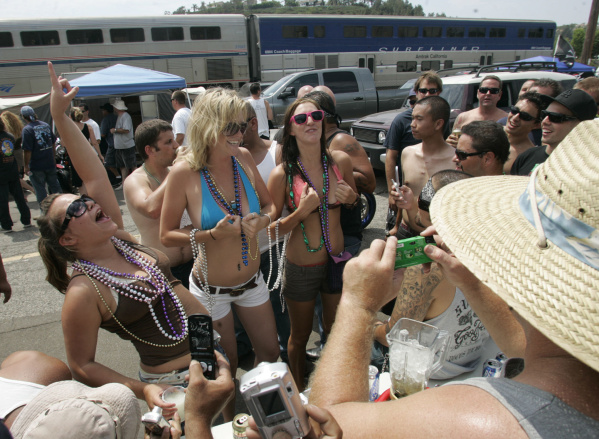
298,187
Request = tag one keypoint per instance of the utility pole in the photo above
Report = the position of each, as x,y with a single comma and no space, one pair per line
587,48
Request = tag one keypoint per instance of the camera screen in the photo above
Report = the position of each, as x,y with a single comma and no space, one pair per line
200,335
271,403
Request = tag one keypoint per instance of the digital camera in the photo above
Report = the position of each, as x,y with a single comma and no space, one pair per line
274,401
154,422
411,251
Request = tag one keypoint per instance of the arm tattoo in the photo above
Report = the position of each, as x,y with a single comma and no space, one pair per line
349,148
361,182
414,298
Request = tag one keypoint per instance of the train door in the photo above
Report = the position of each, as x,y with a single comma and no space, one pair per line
366,61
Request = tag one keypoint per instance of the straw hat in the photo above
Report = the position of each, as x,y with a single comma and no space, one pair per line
119,104
488,222
69,409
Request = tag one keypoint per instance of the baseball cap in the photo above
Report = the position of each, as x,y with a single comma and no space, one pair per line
27,111
579,102
107,107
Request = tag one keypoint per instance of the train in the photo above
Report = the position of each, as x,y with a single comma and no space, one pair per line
232,49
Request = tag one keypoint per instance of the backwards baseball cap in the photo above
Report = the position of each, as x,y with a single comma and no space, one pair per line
579,102
28,112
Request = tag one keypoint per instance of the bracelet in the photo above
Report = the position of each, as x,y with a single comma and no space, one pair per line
354,204
269,219
210,231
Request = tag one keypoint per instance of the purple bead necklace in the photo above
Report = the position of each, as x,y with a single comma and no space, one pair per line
160,286
323,209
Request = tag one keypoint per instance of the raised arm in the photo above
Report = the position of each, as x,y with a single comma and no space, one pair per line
84,159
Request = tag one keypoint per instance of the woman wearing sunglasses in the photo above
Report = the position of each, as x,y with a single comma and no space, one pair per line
228,203
115,284
313,183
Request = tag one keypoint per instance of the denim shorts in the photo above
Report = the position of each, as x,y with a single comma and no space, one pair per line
304,283
125,158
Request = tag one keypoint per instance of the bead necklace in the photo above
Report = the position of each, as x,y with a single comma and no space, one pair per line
281,258
323,209
161,289
150,175
199,252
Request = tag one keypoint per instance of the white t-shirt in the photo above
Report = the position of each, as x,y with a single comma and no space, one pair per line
95,127
180,123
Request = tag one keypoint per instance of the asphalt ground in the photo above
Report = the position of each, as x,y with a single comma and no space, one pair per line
31,319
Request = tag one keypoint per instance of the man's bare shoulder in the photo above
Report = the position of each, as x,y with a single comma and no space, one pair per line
136,179
412,151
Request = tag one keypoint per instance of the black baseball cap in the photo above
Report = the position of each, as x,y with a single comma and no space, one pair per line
579,102
107,107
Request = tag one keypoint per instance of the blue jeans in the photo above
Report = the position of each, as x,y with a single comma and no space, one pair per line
39,180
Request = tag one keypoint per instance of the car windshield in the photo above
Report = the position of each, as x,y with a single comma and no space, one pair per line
454,93
269,91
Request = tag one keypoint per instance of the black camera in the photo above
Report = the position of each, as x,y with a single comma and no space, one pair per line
201,343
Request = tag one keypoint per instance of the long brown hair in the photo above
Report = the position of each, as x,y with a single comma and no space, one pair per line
55,256
290,150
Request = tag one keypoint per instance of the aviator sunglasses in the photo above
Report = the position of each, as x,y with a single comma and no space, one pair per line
302,118
523,114
233,128
463,155
492,90
76,209
556,117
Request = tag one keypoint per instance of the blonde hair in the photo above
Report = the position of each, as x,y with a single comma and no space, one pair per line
76,114
12,124
211,113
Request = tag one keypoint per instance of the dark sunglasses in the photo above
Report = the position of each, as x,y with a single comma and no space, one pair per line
76,209
556,117
413,101
463,155
485,90
428,90
233,128
523,114
302,118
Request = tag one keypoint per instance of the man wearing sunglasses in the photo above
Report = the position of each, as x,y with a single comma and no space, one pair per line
400,136
524,117
144,191
488,94
483,149
562,115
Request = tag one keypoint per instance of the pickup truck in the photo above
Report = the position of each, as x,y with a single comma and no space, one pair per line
460,92
354,90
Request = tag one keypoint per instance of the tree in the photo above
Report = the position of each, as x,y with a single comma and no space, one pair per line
180,11
578,40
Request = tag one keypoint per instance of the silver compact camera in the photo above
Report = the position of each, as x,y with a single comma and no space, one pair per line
274,401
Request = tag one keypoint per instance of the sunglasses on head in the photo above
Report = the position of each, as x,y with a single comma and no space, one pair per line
428,90
492,90
556,117
76,209
302,118
523,114
463,155
233,128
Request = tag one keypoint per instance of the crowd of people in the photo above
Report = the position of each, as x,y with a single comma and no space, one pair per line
264,234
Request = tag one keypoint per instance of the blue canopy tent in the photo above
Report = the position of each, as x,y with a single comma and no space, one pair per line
561,66
123,80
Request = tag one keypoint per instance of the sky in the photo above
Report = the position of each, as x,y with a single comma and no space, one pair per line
560,11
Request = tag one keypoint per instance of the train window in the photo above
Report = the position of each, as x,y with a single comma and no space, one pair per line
497,32
205,32
407,32
455,32
549,33
406,66
431,31
354,31
382,31
127,35
341,82
477,32
85,36
430,65
535,33
40,38
319,31
167,34
448,64
295,31
6,39
521,32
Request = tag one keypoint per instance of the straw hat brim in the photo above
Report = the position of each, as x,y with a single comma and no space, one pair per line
480,221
